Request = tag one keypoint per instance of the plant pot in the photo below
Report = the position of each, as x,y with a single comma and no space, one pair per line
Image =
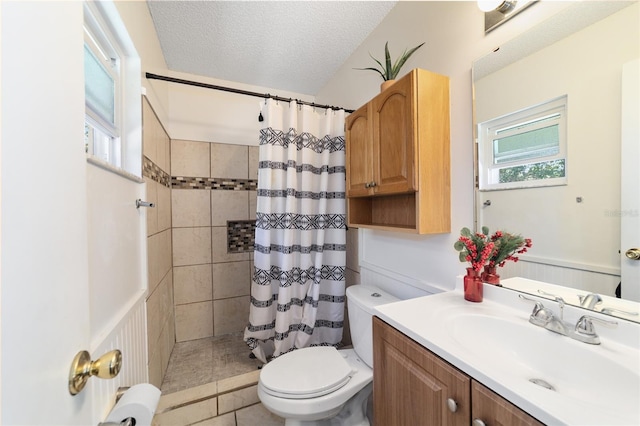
386,84
490,276
472,286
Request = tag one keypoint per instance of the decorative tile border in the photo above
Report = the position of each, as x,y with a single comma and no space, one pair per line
154,172
241,236
180,182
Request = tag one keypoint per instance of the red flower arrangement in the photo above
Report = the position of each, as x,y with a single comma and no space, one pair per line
507,245
474,248
479,249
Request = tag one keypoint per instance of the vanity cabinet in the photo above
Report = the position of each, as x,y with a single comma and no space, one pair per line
493,410
413,386
397,149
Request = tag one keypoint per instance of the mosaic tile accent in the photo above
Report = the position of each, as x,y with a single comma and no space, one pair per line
180,182
241,236
154,172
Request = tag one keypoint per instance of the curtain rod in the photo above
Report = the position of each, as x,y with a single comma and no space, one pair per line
239,91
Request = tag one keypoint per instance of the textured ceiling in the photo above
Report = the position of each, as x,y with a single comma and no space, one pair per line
289,45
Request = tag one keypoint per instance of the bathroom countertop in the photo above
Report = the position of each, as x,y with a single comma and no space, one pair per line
424,320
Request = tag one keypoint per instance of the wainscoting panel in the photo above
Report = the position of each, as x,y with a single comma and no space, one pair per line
129,335
589,280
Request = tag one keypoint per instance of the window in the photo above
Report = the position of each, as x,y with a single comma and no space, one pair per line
113,119
524,149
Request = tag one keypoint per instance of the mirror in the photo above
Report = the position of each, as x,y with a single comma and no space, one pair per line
575,227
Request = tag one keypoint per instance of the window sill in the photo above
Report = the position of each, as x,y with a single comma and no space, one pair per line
113,169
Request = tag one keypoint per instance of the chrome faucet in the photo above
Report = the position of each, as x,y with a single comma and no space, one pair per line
583,331
589,301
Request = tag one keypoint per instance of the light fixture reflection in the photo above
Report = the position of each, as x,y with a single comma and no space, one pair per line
503,6
497,12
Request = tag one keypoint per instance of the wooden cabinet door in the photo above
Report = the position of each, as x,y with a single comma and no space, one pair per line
359,153
393,138
494,410
411,386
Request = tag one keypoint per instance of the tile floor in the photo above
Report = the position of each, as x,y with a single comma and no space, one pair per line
212,382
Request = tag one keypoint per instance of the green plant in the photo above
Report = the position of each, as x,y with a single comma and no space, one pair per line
389,71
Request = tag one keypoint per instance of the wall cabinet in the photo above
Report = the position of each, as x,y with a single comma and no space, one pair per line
413,386
398,157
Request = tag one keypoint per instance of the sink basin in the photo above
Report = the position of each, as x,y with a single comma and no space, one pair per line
575,370
553,377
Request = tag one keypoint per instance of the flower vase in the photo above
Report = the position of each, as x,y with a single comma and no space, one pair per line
490,276
473,286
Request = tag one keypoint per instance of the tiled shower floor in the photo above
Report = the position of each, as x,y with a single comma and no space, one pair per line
212,382
202,361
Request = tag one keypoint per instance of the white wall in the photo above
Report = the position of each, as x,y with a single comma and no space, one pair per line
454,36
200,114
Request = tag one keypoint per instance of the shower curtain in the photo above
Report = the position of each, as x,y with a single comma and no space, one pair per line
298,283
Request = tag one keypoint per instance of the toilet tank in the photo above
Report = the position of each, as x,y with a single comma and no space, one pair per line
361,300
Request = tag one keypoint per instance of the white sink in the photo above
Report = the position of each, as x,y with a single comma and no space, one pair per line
555,378
575,370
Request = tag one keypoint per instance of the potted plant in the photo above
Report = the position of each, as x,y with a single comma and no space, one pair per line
390,71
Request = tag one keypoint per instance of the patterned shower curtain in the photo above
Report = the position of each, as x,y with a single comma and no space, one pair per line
298,284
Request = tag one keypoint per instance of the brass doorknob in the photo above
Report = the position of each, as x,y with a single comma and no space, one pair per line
106,367
633,253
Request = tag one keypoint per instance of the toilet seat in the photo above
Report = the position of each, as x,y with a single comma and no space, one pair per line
306,373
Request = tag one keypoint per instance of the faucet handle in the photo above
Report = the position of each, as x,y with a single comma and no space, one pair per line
584,326
540,315
559,299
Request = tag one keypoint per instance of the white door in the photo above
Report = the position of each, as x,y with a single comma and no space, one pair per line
45,293
50,242
630,181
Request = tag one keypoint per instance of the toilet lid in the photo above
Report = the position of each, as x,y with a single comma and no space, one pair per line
306,373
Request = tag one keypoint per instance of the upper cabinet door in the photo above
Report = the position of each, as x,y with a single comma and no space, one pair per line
359,153
393,139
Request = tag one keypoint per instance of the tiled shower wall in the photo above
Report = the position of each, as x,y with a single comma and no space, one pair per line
160,312
200,280
212,184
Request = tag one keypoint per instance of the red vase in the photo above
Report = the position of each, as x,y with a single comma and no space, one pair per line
490,276
472,286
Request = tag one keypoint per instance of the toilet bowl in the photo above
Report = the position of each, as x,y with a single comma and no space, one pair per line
321,385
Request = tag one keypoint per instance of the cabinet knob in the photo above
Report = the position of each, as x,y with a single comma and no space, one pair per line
367,185
452,405
477,422
372,184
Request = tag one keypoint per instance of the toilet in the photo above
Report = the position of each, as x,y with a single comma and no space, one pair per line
321,385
